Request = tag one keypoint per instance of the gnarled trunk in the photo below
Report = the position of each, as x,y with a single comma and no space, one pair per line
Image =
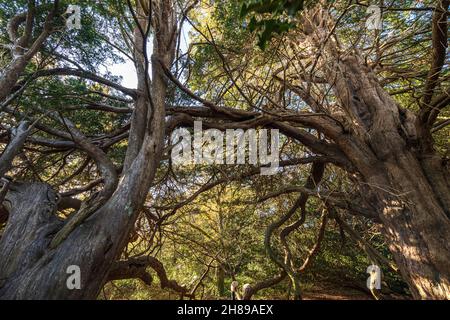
29,269
35,254
415,227
410,194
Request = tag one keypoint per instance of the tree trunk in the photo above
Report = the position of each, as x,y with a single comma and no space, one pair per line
409,192
31,268
415,227
10,75
220,281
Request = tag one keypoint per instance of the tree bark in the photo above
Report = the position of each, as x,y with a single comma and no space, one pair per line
408,185
220,281
32,269
411,201
415,227
395,159
12,72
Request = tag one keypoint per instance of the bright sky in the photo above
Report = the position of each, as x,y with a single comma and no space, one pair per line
127,70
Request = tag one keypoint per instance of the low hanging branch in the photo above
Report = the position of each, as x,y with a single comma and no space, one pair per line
317,171
110,179
18,137
137,268
363,244
439,39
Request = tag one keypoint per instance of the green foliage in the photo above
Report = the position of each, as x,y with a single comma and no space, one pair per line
266,28
272,6
219,224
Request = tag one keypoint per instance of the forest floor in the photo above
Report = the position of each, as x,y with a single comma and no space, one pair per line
327,292
335,294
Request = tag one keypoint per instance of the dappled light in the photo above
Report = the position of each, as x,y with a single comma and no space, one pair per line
224,150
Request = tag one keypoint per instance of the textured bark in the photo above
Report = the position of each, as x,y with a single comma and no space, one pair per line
10,75
407,183
412,213
30,268
93,246
220,281
416,228
12,72
392,151
32,220
18,136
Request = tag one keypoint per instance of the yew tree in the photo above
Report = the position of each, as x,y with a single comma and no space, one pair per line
84,155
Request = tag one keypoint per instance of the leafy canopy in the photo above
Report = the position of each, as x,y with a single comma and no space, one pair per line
270,17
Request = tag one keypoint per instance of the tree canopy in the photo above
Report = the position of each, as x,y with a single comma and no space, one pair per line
88,177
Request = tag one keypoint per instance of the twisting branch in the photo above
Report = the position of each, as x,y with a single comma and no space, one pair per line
439,43
314,178
85,75
234,177
326,197
316,175
109,176
137,268
316,248
363,244
11,73
18,137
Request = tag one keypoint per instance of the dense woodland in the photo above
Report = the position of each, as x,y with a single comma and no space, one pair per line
87,177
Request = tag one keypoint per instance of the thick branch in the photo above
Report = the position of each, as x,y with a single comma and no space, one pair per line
136,268
439,43
18,137
85,75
